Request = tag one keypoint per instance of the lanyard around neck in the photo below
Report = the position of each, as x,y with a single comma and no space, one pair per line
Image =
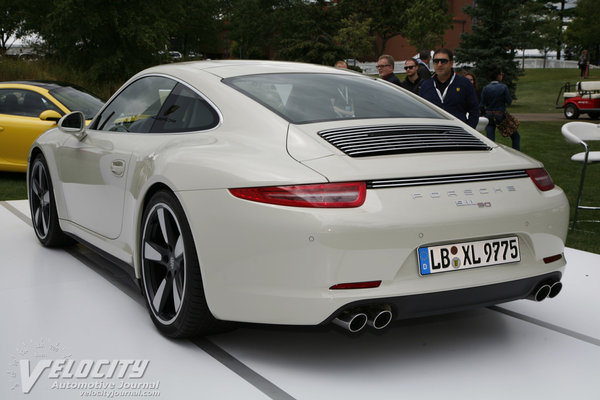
443,96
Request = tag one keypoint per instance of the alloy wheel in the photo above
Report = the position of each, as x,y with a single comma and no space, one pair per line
40,199
163,263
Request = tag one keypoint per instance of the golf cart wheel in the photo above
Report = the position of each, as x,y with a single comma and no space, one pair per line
571,111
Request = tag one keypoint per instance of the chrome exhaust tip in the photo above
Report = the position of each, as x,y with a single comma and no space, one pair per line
540,293
555,289
351,321
379,317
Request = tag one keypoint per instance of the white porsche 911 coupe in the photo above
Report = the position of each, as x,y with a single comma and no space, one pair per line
296,194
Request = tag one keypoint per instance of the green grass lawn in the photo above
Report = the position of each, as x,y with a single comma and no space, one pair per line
538,89
12,186
537,92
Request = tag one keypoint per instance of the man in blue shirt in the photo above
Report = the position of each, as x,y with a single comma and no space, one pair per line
450,91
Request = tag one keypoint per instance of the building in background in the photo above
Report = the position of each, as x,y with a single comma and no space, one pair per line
399,48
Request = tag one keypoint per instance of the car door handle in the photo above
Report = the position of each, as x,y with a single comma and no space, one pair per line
118,167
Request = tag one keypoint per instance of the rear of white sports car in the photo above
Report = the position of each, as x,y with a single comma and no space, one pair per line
387,218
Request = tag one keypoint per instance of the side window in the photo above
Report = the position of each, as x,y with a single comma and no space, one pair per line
136,108
24,103
185,111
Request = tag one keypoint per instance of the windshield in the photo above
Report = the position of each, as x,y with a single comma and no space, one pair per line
303,98
76,100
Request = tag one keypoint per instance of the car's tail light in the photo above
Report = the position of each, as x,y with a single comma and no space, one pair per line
541,178
326,195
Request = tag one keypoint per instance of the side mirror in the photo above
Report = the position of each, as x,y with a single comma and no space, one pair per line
73,123
50,115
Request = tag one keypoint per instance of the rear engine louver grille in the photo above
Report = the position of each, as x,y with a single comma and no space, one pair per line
384,140
446,179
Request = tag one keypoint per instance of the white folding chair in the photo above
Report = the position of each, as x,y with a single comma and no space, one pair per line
481,124
580,133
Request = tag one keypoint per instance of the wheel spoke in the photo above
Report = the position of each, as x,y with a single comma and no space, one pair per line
179,248
160,213
40,174
35,187
153,252
37,216
159,297
46,198
45,217
176,294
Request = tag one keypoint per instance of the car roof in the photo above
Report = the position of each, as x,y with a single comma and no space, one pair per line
48,85
231,68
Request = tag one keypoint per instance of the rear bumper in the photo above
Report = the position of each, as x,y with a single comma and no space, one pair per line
420,305
271,264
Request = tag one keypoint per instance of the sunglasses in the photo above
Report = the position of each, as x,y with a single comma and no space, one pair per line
440,60
384,65
410,67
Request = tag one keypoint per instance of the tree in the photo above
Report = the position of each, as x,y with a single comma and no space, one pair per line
108,40
493,40
388,18
540,27
250,25
196,25
548,32
354,38
429,19
305,32
584,30
11,23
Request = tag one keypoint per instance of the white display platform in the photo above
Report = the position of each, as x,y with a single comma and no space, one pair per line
57,304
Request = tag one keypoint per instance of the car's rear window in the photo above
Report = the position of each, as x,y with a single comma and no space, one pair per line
309,97
76,100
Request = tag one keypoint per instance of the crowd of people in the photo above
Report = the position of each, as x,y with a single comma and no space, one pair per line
455,93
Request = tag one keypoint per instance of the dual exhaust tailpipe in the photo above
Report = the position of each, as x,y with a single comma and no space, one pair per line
355,320
380,316
546,290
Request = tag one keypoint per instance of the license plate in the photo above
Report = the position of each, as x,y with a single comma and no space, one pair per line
457,256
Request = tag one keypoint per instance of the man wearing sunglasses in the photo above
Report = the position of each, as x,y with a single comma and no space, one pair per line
385,68
450,91
412,81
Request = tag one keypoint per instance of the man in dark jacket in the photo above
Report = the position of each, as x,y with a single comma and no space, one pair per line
385,67
423,63
450,91
412,81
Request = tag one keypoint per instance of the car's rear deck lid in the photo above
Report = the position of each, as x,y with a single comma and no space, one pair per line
401,139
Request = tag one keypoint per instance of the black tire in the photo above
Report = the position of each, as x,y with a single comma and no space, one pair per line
571,111
171,278
42,205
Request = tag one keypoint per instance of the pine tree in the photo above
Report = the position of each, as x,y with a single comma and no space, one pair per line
493,41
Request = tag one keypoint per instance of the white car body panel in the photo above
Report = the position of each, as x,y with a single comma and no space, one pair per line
268,263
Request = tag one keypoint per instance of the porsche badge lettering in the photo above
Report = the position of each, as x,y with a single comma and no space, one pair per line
466,193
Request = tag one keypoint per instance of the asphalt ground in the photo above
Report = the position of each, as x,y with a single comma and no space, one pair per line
545,117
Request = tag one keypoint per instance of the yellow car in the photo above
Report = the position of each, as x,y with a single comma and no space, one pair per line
27,109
